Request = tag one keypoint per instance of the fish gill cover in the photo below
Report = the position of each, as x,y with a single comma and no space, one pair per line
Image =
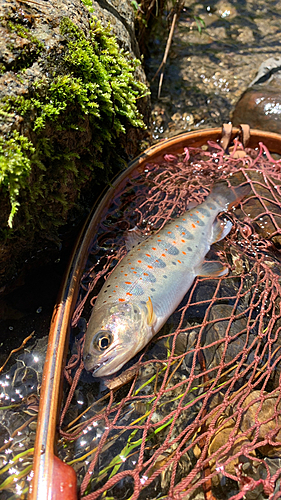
197,413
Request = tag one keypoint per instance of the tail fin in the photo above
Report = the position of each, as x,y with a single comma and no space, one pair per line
229,196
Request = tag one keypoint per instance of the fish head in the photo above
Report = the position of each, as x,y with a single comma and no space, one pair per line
115,333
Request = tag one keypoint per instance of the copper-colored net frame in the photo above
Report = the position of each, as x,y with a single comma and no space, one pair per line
52,478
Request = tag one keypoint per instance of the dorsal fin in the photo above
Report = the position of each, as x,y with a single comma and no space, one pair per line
134,237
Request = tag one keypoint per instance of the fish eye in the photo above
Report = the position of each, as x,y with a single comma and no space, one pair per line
103,340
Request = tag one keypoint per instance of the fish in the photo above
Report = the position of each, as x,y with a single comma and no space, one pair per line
149,283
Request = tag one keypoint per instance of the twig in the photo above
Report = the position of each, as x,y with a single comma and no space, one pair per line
168,45
17,349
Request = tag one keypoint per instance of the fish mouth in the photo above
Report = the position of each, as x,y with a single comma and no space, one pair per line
97,366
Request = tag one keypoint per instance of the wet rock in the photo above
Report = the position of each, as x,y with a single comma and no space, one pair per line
225,9
263,416
224,326
260,105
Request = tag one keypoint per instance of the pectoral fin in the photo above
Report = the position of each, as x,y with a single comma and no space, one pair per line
212,269
151,317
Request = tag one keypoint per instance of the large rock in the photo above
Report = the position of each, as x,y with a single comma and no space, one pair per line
260,105
68,118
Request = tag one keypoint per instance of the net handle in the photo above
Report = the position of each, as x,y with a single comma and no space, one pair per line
243,136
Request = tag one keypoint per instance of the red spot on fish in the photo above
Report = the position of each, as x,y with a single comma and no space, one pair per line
156,260
138,249
193,225
179,261
128,293
135,272
176,225
159,240
182,233
197,221
169,232
183,219
125,274
139,261
132,268
147,254
174,242
153,248
150,267
128,282
145,274
163,255
184,253
183,241
121,300
197,212
191,215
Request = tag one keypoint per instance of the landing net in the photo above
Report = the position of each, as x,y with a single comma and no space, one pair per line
196,414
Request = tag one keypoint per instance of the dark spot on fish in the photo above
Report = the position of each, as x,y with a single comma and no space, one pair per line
142,302
189,249
164,276
174,263
152,289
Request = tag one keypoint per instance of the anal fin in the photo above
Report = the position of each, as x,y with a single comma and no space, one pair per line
220,230
212,269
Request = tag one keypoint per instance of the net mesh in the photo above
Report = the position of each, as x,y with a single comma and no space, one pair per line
196,414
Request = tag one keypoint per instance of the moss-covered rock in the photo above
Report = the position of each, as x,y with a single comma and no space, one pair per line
68,94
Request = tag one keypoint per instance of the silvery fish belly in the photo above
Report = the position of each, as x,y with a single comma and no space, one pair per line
151,280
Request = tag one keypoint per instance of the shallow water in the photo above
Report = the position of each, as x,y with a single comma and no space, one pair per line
207,72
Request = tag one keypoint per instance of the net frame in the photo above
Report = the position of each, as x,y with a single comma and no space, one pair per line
270,279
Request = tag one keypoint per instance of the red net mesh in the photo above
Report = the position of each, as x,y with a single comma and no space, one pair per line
197,414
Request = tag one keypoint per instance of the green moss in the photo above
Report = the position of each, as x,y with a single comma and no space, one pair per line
15,166
95,87
24,32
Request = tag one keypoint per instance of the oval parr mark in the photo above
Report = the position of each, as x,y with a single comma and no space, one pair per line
199,222
184,232
204,211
